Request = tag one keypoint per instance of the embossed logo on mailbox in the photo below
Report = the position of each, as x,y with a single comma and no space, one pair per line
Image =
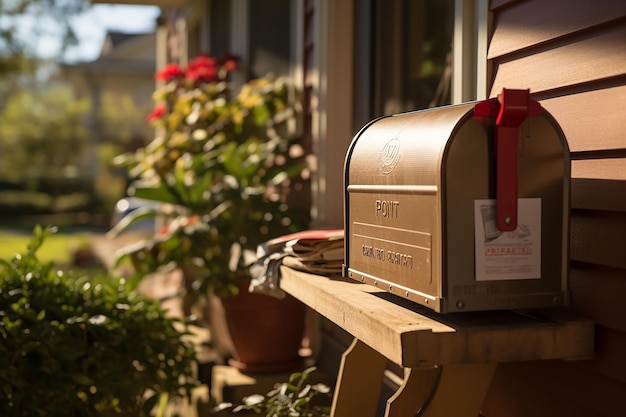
390,155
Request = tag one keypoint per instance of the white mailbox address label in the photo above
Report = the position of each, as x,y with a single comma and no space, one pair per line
508,255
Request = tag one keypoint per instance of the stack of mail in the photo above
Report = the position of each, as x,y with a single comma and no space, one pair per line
315,251
319,253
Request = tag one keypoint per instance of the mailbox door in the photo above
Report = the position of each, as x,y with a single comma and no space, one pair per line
506,270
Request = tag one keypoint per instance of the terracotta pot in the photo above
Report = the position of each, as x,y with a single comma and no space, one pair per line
266,332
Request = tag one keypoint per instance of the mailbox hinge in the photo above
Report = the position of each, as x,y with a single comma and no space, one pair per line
511,108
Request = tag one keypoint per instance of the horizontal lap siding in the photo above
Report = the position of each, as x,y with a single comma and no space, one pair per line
522,25
598,292
555,389
599,194
593,57
572,56
599,237
592,120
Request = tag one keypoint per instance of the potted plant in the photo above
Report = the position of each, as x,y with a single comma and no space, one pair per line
222,163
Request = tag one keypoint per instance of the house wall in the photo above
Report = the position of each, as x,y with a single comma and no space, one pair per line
572,55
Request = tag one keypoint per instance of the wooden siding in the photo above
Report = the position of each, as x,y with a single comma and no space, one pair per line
599,293
598,237
576,112
556,19
598,194
572,55
555,389
594,56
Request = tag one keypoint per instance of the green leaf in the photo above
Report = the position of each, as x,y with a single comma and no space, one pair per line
162,194
82,379
163,401
261,114
149,404
69,353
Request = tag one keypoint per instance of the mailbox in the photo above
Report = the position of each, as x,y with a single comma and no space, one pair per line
461,208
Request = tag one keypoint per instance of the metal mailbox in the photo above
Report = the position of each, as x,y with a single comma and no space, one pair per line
461,208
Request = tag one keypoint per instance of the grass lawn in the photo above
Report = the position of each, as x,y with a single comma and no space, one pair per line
57,247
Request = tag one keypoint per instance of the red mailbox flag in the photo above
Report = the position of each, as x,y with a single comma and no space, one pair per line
511,108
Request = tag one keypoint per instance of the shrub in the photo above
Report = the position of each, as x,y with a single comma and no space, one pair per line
83,346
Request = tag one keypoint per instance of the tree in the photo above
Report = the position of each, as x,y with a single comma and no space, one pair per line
120,121
43,135
48,144
40,19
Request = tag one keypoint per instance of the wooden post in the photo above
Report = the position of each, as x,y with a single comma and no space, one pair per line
359,382
418,386
450,390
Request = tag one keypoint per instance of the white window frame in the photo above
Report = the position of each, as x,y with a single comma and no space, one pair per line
332,108
469,50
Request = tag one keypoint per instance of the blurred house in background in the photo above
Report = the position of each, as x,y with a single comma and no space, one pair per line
119,84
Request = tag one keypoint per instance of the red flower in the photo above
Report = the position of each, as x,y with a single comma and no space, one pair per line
158,112
203,68
169,72
229,62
